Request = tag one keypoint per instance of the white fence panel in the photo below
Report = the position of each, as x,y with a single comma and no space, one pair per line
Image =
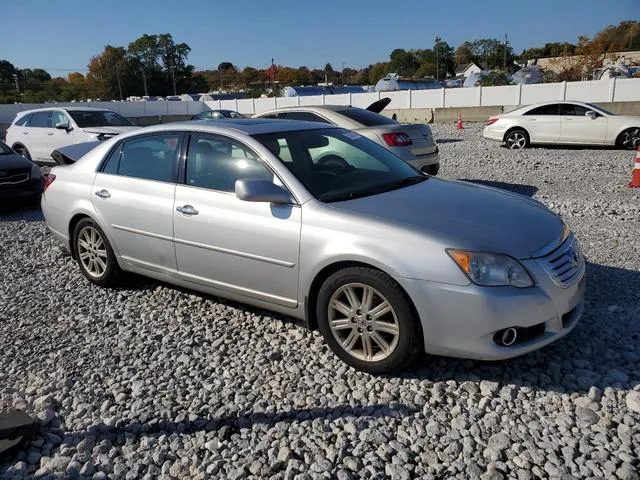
341,99
507,95
228,104
597,91
245,106
312,100
543,92
363,100
627,90
426,98
213,104
461,97
398,99
283,102
264,104
158,108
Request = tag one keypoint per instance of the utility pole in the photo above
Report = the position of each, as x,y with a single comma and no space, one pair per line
119,84
15,79
220,72
173,78
437,57
505,52
342,74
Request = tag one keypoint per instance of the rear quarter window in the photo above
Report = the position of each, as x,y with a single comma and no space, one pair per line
366,117
22,121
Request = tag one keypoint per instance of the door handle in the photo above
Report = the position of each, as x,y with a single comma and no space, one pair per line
49,133
25,133
103,193
187,210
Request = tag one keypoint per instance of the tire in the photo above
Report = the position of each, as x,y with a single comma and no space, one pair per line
629,139
100,265
517,139
22,150
354,335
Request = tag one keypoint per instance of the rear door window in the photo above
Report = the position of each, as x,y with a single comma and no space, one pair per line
152,157
544,110
40,119
306,116
573,110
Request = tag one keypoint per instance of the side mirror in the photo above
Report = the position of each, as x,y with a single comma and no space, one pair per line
591,114
63,126
261,191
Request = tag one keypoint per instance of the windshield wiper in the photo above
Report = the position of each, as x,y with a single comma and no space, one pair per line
405,182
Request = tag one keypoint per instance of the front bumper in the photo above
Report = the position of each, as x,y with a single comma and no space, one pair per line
462,321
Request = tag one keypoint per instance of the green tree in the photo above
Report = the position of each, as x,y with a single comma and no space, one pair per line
144,53
403,62
464,54
377,71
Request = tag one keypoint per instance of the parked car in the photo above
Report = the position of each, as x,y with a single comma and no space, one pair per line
34,134
384,260
413,143
21,180
564,123
217,115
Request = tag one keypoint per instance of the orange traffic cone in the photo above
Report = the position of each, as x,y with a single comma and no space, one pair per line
459,123
635,174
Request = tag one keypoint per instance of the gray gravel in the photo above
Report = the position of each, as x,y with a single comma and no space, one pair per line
150,380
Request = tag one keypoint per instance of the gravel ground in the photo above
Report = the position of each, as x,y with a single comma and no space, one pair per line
150,380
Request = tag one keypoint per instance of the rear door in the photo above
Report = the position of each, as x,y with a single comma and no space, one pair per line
579,128
37,137
133,195
543,123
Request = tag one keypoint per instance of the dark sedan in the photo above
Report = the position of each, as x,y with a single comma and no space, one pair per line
21,180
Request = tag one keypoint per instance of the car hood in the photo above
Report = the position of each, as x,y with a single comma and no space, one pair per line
13,161
471,216
109,130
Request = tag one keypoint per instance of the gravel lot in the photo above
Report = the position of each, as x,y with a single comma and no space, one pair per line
150,380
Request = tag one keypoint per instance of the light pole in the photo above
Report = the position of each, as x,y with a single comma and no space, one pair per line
15,79
505,52
342,73
437,58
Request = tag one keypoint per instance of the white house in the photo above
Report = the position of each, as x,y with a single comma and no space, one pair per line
468,69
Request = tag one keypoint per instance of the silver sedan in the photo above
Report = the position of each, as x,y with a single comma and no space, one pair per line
322,224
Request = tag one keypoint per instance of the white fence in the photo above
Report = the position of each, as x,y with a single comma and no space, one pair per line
613,90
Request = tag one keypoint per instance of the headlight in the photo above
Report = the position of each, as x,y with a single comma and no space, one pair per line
491,269
36,172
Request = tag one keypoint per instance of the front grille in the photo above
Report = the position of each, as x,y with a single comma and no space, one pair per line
13,179
565,264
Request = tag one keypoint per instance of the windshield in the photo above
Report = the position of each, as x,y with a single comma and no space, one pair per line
336,164
4,149
99,118
599,108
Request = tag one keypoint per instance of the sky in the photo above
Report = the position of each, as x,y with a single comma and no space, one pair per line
62,36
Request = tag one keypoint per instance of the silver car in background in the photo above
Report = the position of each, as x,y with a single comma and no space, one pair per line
413,143
384,260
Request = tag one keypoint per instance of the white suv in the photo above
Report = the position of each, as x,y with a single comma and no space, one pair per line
36,133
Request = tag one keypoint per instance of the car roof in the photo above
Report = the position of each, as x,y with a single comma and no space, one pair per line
248,126
68,109
333,108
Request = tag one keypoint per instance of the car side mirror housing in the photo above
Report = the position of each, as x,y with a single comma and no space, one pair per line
261,191
63,126
591,114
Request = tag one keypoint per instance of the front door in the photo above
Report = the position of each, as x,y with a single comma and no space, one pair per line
577,127
37,136
133,195
247,248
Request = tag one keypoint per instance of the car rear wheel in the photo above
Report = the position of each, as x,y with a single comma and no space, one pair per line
517,139
367,320
629,139
94,254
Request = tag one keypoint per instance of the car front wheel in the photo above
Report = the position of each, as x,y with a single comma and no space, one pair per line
517,139
367,320
629,139
94,254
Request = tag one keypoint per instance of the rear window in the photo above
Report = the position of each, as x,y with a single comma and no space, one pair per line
366,117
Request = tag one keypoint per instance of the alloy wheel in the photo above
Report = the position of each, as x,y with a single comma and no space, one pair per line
631,138
516,140
363,322
92,252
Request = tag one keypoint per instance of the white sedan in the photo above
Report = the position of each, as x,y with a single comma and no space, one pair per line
564,123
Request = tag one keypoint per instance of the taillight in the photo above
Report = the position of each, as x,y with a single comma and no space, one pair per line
48,180
491,121
397,139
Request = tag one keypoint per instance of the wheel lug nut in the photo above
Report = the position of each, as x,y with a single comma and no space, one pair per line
353,319
359,312
369,329
368,317
359,330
